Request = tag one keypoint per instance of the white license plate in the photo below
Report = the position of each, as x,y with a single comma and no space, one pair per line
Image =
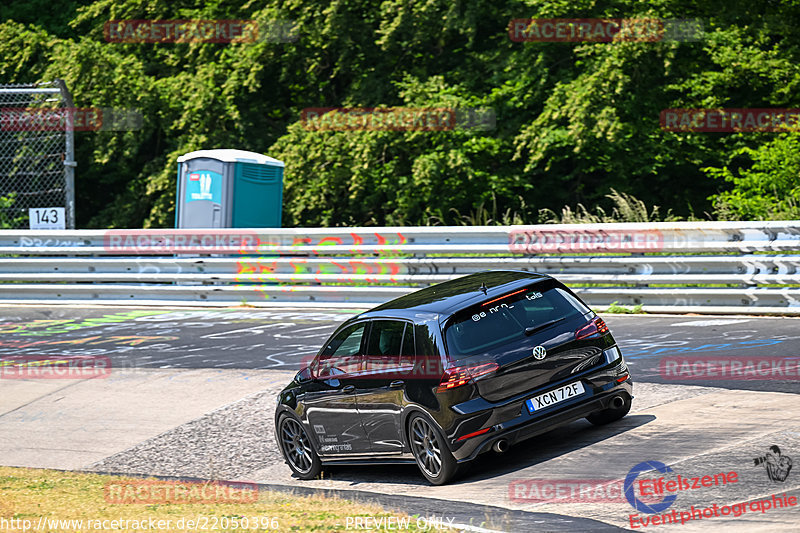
537,403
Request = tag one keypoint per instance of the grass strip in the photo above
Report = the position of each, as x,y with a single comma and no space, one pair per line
51,500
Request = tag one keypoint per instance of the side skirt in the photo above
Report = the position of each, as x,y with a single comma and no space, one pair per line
393,459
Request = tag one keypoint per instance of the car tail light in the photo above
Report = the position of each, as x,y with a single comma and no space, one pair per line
594,328
461,375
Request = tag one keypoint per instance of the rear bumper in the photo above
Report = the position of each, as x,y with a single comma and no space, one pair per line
545,424
524,425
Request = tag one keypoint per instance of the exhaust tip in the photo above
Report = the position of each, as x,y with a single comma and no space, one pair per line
500,446
617,402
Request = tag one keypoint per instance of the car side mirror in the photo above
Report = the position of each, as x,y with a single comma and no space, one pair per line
305,375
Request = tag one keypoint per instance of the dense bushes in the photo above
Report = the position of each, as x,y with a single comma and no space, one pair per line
574,120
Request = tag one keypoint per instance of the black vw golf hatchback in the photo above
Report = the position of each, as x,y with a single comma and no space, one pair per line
451,371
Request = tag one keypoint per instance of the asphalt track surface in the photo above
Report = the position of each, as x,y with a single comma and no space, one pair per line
285,339
696,426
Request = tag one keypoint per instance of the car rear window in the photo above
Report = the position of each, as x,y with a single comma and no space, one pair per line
482,328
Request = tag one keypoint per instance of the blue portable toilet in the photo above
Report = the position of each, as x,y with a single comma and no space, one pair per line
229,189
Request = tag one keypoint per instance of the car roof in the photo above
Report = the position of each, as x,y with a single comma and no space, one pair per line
450,296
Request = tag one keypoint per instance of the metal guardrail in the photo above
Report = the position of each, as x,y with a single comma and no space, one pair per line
666,237
365,266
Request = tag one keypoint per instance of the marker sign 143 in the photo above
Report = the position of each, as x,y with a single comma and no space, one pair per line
47,218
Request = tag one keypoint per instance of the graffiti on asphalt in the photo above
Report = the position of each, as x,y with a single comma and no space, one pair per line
634,351
47,327
176,339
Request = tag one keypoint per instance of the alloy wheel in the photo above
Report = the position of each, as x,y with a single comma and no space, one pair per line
296,445
426,447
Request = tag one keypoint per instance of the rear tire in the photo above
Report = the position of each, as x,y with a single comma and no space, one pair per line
607,416
430,451
297,449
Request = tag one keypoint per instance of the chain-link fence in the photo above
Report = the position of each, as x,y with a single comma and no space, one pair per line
36,155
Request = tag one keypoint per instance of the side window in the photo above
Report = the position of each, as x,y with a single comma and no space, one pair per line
385,346
342,355
426,345
427,362
386,338
408,350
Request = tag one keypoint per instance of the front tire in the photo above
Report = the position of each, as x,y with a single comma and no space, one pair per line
430,451
609,415
297,448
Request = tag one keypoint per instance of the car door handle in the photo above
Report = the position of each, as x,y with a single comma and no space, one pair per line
397,384
349,388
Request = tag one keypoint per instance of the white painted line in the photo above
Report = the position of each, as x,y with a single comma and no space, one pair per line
704,323
311,329
476,529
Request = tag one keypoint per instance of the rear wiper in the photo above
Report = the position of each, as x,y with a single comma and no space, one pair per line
533,329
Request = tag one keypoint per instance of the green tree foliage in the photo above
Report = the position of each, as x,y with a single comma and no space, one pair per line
574,120
54,17
8,221
377,177
767,189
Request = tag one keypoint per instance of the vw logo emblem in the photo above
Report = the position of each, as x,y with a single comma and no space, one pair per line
539,352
